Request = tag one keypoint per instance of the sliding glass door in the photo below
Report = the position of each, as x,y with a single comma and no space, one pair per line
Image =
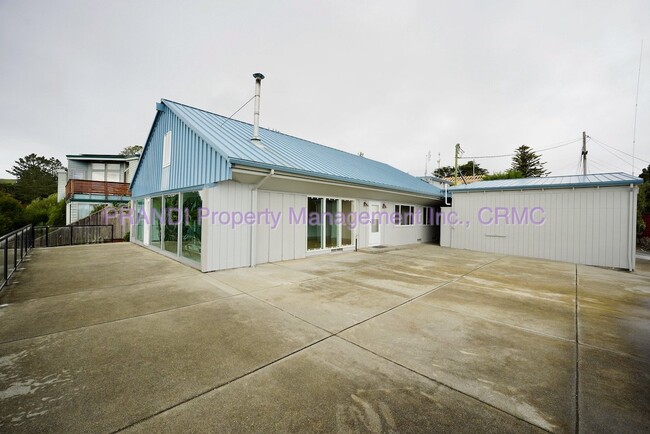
175,224
328,223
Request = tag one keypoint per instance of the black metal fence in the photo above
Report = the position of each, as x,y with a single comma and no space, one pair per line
16,245
55,236
13,248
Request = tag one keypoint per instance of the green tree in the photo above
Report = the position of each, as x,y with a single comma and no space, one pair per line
47,211
11,214
56,214
466,169
528,162
36,177
131,150
645,174
506,174
643,201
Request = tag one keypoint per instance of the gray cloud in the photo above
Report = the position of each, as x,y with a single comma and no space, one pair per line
392,80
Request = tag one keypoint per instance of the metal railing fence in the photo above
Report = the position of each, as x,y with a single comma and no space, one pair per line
14,246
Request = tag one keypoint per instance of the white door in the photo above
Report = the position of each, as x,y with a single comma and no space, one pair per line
374,237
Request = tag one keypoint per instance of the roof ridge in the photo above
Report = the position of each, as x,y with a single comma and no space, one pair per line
270,130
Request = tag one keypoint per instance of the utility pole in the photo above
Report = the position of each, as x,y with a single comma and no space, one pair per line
584,153
438,160
456,152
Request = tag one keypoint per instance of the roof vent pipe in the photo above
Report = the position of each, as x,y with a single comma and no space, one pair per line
256,118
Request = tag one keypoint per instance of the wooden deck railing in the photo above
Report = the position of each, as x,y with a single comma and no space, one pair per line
82,186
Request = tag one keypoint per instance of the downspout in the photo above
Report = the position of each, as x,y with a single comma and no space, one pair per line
631,250
254,209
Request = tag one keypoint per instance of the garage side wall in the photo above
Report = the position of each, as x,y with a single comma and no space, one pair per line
287,239
584,225
224,244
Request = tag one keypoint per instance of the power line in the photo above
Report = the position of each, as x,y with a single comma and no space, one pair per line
622,152
237,111
560,145
623,160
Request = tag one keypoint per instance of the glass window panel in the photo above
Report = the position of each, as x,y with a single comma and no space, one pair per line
113,176
314,217
97,176
171,224
331,228
191,241
157,219
346,231
113,167
398,219
97,166
139,227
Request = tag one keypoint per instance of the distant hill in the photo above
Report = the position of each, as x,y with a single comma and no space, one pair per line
7,181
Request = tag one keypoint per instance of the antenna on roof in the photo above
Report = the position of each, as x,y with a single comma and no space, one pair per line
256,116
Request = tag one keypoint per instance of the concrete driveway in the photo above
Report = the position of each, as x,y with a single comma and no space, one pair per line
108,338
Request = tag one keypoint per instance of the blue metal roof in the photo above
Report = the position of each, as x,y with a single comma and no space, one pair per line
569,181
232,140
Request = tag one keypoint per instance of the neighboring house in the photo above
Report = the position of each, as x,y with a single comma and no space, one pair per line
465,179
92,180
582,219
441,183
247,200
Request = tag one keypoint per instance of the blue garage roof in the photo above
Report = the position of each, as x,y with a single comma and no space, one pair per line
232,140
569,181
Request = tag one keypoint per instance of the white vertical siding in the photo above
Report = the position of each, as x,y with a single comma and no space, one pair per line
396,235
289,239
584,225
222,245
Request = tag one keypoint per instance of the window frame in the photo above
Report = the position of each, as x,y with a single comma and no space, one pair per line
404,215
167,149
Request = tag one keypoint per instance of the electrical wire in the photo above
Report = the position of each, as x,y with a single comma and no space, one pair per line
560,145
622,152
237,111
620,158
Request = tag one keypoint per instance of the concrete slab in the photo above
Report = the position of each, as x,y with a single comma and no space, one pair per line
394,279
127,334
524,374
79,309
333,387
102,378
614,393
614,290
329,303
65,270
507,306
259,277
331,264
545,279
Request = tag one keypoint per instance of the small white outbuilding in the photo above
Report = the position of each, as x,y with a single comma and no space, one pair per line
583,219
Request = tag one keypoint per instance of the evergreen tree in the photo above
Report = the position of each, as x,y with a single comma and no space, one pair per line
528,163
36,177
466,169
130,151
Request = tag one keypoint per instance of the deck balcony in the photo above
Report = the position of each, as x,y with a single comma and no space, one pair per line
96,189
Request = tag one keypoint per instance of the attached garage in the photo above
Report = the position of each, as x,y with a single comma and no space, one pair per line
583,219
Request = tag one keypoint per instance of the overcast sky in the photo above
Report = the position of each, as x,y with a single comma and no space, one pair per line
394,80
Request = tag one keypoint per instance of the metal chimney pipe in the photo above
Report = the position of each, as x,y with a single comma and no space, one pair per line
256,118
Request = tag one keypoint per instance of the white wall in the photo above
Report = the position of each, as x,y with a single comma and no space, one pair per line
584,225
289,239
396,235
223,246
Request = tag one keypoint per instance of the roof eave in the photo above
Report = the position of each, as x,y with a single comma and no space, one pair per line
321,176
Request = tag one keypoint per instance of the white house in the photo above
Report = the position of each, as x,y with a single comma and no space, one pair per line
248,195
